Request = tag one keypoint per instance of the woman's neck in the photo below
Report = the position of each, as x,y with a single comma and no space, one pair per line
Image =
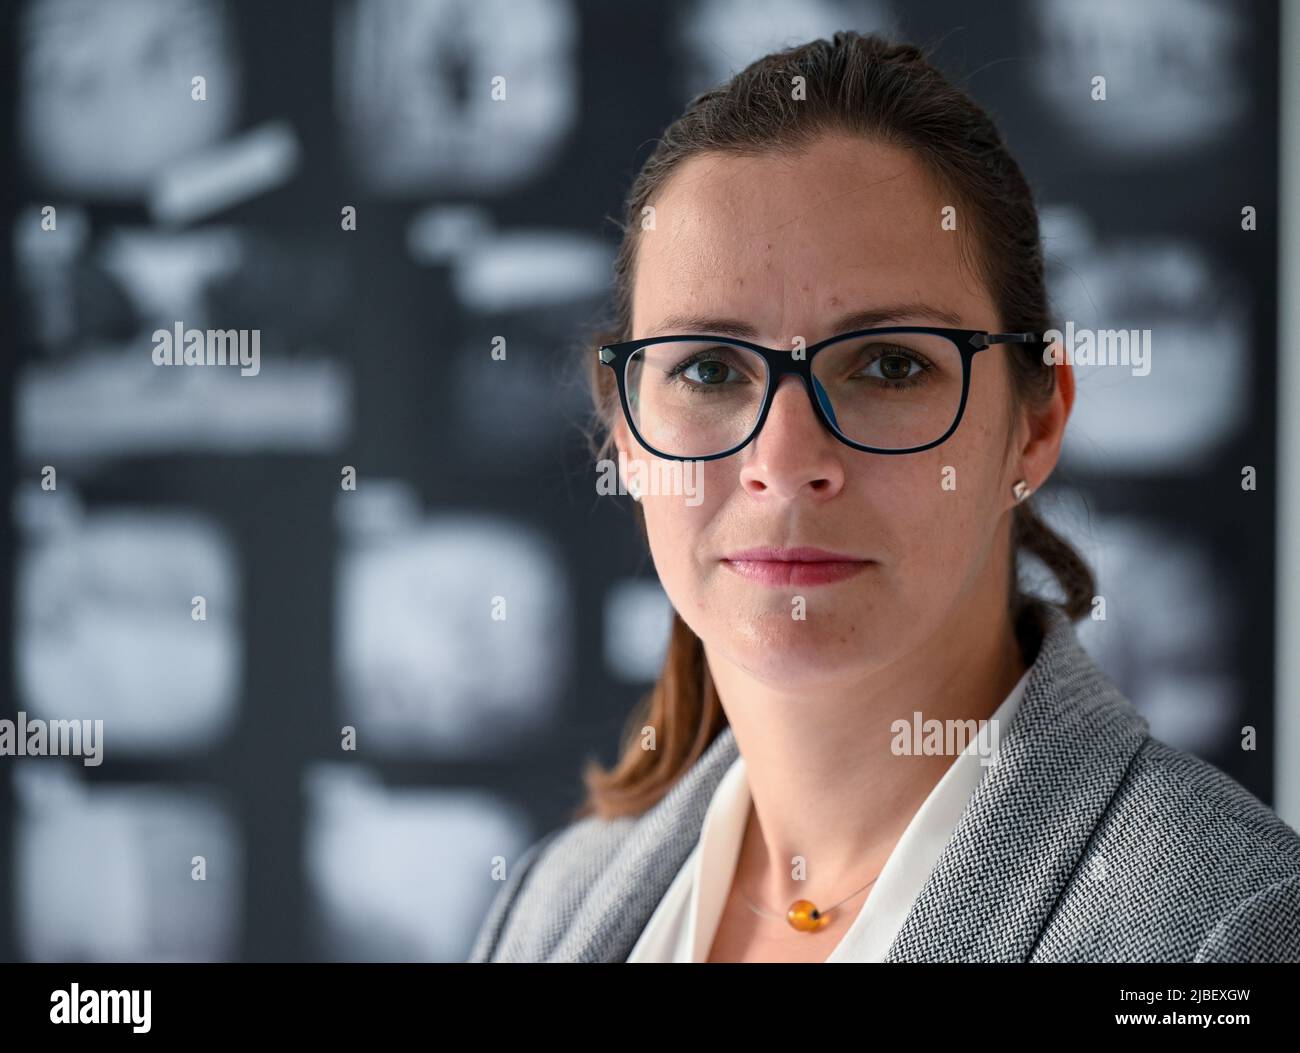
827,783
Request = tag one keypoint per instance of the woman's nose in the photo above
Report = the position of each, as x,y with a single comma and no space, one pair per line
793,453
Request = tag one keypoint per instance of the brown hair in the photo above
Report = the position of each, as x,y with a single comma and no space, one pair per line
889,92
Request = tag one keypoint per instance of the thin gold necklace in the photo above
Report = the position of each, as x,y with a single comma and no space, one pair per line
804,915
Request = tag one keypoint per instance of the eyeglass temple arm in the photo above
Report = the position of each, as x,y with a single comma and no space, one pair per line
987,339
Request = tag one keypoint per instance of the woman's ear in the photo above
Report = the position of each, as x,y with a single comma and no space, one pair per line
620,436
1042,445
622,443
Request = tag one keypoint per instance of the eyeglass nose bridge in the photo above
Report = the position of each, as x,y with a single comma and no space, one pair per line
813,388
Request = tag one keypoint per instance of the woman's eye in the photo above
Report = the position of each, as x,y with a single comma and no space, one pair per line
894,366
708,371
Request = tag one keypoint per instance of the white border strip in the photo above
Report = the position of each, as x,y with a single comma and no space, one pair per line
1286,760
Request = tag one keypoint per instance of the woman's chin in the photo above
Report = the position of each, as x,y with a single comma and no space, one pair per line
778,648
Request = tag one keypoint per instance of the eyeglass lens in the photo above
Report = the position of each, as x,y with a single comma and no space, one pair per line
892,391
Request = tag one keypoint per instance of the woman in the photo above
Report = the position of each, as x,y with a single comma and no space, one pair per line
845,582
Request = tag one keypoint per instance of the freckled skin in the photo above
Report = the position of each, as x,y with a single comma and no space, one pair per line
788,243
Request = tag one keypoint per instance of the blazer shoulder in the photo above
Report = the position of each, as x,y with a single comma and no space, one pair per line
1263,928
489,933
544,887
1204,800
1184,865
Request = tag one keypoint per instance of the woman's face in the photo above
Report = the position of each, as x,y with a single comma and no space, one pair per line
791,245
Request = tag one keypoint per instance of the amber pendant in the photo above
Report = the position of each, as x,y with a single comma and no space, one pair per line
804,916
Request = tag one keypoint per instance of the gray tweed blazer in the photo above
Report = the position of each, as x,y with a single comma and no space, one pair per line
1088,841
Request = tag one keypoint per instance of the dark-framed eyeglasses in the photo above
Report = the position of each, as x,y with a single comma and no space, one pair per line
899,389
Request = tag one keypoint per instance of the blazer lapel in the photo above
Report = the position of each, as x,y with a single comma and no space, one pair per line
1025,827
613,913
994,886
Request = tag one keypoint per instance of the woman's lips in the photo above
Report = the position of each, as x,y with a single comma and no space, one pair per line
802,566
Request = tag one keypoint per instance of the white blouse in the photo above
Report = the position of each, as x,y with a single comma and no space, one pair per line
684,924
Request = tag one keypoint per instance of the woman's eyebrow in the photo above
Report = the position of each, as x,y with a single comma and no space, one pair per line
863,319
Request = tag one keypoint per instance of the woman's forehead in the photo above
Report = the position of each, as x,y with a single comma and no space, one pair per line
831,184
787,241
